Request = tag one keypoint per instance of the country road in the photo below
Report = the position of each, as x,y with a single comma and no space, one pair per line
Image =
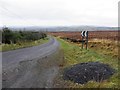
33,67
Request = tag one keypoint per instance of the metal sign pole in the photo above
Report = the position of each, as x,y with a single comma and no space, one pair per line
82,42
86,40
82,34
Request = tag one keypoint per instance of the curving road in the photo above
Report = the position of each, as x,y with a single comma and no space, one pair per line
33,67
15,56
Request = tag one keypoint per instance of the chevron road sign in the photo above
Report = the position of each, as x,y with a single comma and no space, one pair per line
84,35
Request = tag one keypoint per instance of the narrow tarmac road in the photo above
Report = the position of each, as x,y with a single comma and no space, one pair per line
30,53
33,67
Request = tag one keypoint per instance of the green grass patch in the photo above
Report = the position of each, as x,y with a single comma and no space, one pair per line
73,54
7,47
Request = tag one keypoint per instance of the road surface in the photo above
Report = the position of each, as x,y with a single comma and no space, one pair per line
33,67
24,54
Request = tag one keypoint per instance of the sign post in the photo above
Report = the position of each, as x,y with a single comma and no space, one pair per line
84,35
82,42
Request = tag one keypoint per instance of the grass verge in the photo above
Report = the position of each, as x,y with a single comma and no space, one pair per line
7,47
73,54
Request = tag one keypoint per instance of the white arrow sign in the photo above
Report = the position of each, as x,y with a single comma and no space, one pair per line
84,33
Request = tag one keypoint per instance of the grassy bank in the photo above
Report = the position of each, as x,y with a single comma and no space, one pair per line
73,54
7,47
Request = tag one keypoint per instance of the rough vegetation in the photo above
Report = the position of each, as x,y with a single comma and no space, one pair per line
20,39
9,36
73,54
76,35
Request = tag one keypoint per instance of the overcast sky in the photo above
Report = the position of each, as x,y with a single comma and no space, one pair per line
58,12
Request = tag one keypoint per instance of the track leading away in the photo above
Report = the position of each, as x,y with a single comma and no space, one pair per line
33,67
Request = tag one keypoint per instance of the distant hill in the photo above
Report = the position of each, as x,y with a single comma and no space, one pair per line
65,28
81,28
